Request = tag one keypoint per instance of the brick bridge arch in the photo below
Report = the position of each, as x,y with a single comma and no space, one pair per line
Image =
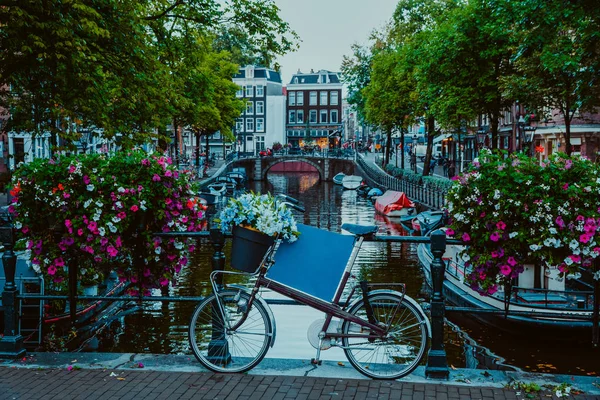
258,168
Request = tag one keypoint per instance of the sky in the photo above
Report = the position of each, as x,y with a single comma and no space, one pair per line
327,29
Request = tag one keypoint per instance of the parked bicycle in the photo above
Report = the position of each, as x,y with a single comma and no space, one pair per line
383,332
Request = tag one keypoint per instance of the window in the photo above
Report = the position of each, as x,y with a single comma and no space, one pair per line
249,125
334,98
240,92
260,141
260,124
292,117
260,91
313,116
292,98
250,107
300,116
239,125
334,117
249,91
323,116
323,78
323,98
313,98
260,107
300,98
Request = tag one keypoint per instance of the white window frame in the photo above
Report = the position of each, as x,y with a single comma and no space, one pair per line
250,108
239,124
260,90
300,98
249,89
321,113
334,95
316,115
337,119
260,124
260,107
249,124
292,98
313,99
292,116
240,92
321,98
299,116
260,143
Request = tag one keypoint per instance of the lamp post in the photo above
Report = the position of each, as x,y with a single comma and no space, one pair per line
528,134
396,143
520,139
414,153
84,140
481,134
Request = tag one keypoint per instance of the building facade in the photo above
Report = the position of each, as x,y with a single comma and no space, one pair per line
314,109
262,122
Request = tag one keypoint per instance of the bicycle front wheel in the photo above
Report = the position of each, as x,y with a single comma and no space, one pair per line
395,354
221,349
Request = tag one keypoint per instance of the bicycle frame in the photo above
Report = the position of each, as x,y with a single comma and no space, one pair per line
331,309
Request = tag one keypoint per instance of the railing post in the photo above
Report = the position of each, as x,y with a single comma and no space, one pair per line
11,344
437,364
595,317
218,348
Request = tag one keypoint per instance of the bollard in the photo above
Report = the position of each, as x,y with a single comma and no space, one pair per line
437,364
218,348
11,344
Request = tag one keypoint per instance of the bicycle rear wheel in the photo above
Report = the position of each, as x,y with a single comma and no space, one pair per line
221,349
395,354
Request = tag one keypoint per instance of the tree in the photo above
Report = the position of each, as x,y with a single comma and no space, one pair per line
556,60
356,74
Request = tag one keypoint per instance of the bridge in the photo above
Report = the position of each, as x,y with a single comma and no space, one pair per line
326,165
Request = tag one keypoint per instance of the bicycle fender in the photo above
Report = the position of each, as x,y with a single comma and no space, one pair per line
264,304
408,300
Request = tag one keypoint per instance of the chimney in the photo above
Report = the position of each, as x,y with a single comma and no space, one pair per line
312,71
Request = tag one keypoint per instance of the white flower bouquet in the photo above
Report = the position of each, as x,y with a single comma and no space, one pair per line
260,212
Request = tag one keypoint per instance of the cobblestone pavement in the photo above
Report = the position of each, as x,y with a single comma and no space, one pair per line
91,384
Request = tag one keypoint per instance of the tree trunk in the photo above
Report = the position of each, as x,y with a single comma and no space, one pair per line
430,136
494,122
401,150
388,145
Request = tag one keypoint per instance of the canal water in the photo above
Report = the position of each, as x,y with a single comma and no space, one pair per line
162,327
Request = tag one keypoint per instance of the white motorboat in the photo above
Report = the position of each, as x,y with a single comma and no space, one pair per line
352,182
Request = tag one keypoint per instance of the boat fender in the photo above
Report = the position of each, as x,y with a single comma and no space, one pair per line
264,304
408,299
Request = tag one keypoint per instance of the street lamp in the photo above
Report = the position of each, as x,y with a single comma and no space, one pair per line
413,156
84,139
520,129
396,143
528,134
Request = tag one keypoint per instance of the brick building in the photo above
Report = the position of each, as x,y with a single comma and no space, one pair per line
314,109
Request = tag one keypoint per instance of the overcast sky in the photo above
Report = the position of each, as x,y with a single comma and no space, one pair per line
327,28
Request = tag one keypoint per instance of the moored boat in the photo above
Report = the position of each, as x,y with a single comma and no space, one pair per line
540,302
363,190
352,182
339,178
427,221
394,204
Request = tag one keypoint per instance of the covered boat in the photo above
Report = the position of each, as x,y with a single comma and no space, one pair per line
427,221
352,182
394,204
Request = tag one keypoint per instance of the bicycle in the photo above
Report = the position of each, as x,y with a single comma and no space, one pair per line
384,333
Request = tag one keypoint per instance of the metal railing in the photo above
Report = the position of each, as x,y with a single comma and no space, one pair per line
428,196
11,345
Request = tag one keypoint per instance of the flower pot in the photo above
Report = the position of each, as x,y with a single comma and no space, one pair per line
91,290
248,249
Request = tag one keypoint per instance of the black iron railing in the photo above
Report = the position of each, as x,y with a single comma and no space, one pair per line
11,345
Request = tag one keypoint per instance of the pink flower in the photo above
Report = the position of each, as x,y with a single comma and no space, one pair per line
482,215
466,237
92,226
494,237
145,162
86,179
51,270
133,279
505,270
68,223
163,281
66,195
559,221
147,272
121,215
492,289
25,229
70,368
575,258
103,241
511,261
568,164
494,254
59,262
449,232
168,173
168,201
565,186
80,232
134,208
156,178
584,238
118,242
111,251
72,169
501,225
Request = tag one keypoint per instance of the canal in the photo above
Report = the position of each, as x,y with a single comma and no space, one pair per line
162,327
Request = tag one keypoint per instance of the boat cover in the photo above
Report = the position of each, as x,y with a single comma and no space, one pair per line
392,201
314,263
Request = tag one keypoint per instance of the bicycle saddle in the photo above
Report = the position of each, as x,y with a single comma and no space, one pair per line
360,230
